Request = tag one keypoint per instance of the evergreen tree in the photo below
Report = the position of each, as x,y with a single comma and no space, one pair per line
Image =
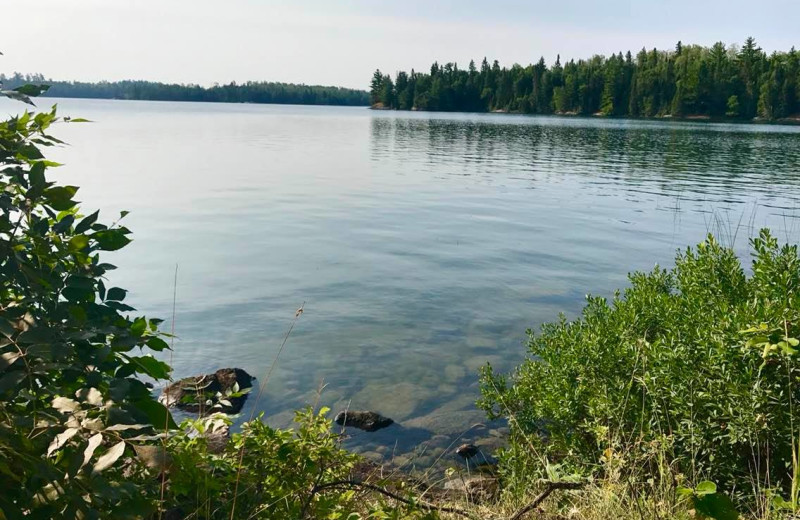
690,80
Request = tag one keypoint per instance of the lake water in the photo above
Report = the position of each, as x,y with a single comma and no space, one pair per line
423,245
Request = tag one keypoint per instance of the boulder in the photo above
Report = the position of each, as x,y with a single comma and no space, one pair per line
223,391
367,421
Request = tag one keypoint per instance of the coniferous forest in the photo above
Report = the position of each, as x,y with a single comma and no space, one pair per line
689,81
249,92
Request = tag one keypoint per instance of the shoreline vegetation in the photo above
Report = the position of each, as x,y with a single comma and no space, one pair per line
674,399
690,82
259,92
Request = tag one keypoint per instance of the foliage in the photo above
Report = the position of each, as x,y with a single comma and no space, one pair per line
692,80
283,473
249,92
706,502
281,468
71,404
696,365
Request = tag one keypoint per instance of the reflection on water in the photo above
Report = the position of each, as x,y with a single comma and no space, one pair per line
693,160
423,245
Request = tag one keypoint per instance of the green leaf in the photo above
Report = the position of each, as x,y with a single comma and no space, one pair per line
78,294
157,344
30,151
111,239
786,349
158,414
121,307
705,488
60,197
138,327
716,506
151,366
64,224
116,294
37,175
80,282
757,341
86,223
780,503
78,243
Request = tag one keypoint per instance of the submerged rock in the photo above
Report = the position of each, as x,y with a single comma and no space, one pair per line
367,421
223,391
467,451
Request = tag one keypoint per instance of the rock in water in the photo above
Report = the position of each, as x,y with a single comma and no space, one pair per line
223,391
367,421
467,451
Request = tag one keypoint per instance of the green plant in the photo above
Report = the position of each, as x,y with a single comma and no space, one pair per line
282,470
671,362
707,503
72,408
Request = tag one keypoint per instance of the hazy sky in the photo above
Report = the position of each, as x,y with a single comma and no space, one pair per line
341,42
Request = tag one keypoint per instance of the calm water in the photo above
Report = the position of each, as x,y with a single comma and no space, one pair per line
423,245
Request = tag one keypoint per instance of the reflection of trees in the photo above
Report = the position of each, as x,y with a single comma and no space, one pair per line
669,157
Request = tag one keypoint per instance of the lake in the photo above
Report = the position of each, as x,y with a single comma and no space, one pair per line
422,245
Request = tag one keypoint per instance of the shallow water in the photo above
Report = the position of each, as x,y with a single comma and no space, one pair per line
423,245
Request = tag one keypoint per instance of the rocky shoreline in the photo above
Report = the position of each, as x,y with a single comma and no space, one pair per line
226,390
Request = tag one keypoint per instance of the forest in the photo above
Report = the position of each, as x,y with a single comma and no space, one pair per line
689,81
249,92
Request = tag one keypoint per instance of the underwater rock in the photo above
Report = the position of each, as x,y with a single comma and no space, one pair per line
223,391
367,421
467,451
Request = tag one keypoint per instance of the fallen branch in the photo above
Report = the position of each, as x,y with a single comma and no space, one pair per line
383,491
546,493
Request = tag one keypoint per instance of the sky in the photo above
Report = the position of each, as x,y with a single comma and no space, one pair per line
342,42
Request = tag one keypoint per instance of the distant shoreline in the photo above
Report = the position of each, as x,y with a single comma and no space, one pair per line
255,92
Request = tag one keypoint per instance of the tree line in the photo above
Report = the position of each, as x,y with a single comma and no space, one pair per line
249,92
718,81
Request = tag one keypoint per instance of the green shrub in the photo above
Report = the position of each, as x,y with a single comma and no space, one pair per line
695,365
71,404
279,470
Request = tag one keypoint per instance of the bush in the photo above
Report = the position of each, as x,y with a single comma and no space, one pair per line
279,471
695,365
71,404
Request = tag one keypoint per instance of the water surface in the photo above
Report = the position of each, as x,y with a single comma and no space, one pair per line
423,245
